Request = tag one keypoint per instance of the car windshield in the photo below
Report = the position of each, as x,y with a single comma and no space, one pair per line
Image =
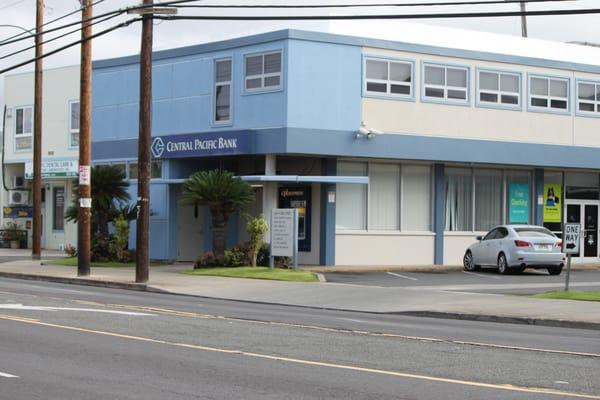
535,232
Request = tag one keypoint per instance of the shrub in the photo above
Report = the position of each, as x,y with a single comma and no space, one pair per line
234,257
121,238
256,228
207,260
71,250
262,258
104,248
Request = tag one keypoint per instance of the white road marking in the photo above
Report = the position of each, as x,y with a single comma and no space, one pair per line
40,308
5,375
562,382
402,276
481,275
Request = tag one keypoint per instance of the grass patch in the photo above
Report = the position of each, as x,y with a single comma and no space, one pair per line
276,274
585,296
72,262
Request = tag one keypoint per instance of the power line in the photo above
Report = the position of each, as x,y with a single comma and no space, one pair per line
57,37
98,34
487,14
299,6
47,23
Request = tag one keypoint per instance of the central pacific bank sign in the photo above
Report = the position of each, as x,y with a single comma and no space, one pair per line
200,144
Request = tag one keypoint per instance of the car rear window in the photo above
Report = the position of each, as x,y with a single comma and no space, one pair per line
536,232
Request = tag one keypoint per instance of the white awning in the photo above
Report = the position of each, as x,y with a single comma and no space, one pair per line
359,180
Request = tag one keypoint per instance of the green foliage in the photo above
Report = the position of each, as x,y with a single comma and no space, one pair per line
109,192
104,248
234,257
121,236
223,194
207,260
256,228
71,250
11,231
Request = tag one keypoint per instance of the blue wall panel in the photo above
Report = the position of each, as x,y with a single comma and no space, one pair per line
324,86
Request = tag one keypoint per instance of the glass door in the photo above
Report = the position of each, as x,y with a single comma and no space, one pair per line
586,214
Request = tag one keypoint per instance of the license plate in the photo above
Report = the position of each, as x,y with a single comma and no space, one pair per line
543,247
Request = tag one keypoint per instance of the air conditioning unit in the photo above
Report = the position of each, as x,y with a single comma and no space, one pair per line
18,182
18,197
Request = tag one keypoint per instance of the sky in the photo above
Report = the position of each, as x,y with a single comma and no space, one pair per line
169,34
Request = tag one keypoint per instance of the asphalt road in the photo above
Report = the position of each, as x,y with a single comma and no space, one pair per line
483,281
76,342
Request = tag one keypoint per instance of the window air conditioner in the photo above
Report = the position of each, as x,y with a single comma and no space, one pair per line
18,182
18,197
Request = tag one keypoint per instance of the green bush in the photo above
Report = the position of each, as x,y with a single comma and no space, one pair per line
234,257
121,238
256,228
207,260
104,248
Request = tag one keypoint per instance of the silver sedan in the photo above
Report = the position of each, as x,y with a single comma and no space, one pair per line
514,248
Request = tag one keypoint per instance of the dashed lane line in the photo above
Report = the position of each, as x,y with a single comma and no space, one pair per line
481,275
5,375
402,276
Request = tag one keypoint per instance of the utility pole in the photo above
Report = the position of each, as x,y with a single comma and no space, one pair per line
142,259
84,229
36,251
523,20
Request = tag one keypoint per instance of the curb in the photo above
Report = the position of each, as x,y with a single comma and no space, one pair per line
557,323
423,314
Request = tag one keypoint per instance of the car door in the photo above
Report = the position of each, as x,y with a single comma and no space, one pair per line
480,254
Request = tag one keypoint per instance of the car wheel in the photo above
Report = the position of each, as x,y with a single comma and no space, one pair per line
469,263
554,270
502,264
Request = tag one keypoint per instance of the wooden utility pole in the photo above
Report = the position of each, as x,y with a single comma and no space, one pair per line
36,251
142,259
84,229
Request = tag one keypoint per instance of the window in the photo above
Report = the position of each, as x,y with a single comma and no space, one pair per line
263,71
445,83
58,196
74,123
384,196
351,208
392,78
499,88
23,128
459,199
416,198
588,97
223,90
488,199
155,169
548,93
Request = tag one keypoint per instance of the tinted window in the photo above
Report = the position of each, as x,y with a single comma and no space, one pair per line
502,233
536,232
491,235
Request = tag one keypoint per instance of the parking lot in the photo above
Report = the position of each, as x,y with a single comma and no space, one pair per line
484,281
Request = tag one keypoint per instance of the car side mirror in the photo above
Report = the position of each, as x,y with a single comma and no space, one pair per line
479,238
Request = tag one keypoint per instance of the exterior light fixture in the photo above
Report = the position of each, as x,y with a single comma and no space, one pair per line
366,132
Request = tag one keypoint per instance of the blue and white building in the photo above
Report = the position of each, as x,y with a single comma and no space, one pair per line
397,152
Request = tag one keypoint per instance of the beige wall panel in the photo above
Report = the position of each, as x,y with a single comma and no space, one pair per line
383,249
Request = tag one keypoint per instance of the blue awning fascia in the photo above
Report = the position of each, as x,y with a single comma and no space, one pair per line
359,180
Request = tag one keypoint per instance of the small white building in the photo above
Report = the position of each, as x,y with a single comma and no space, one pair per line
60,153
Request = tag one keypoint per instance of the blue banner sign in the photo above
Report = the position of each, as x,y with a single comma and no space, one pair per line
18,212
200,144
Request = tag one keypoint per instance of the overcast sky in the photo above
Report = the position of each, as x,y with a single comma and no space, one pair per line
168,34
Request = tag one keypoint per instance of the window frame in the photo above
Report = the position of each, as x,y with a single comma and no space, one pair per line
548,109
263,89
445,100
228,122
71,130
499,92
582,113
129,163
388,82
21,135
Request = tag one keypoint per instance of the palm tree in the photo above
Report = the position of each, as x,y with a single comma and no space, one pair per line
223,194
109,190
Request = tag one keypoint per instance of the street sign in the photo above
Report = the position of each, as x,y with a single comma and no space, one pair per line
571,238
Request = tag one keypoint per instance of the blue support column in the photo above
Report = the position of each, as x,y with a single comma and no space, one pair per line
539,191
327,234
439,220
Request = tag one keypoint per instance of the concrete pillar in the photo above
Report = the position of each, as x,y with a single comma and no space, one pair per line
327,234
538,191
269,193
439,218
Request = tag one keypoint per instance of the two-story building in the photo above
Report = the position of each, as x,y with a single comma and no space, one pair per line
394,152
60,152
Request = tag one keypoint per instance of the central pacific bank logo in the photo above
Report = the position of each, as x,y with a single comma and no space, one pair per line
158,147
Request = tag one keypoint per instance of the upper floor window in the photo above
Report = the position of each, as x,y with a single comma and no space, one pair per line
499,88
549,93
446,83
74,123
263,71
223,90
23,128
392,78
588,97
156,169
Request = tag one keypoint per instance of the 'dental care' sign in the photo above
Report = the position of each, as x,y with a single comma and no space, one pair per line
200,144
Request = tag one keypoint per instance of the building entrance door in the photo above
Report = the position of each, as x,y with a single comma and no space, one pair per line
585,213
190,232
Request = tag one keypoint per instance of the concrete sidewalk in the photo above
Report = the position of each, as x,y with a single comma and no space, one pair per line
410,301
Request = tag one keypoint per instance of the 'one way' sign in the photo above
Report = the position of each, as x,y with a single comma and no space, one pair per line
570,240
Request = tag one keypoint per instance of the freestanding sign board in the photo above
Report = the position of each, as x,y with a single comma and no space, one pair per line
570,245
284,234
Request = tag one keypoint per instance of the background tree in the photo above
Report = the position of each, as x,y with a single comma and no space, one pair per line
223,194
109,197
